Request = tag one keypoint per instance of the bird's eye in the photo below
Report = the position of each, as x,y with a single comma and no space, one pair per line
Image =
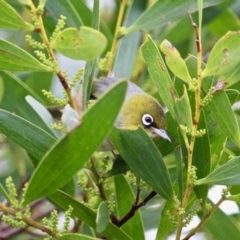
147,120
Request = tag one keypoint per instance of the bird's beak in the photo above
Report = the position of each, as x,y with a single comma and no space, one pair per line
162,133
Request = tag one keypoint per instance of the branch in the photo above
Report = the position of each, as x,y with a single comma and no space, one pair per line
206,216
44,37
134,208
28,221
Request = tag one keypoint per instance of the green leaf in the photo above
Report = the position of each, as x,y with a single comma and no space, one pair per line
142,155
102,217
223,114
224,56
183,111
87,215
76,236
13,58
174,61
164,12
69,154
87,17
10,19
159,74
227,174
16,91
27,135
85,44
124,201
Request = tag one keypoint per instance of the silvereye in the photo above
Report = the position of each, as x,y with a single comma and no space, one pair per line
139,109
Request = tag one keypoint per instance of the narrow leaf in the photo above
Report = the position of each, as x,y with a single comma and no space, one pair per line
85,44
13,58
27,135
227,174
174,61
102,217
124,202
69,154
164,12
10,19
223,114
159,74
87,215
142,155
183,110
224,55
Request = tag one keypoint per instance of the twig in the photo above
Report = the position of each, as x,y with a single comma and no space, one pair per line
44,37
28,221
206,217
98,184
134,208
190,146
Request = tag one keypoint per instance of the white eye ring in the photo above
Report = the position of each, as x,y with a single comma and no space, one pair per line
147,120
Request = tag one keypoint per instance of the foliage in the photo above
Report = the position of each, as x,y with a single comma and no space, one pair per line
192,69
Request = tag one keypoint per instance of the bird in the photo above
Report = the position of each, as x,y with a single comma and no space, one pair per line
138,109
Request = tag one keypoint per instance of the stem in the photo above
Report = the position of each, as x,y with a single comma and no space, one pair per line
99,185
206,217
28,221
43,35
197,113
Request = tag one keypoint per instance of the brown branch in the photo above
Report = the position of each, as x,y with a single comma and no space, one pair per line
135,207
